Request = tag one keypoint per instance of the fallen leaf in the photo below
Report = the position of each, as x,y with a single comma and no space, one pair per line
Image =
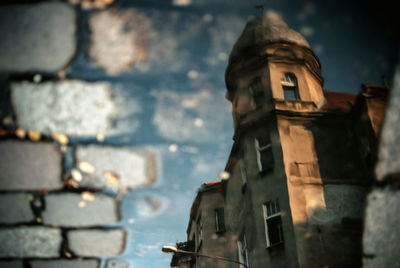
71,183
76,175
82,204
86,167
34,135
60,138
111,178
20,133
100,137
88,196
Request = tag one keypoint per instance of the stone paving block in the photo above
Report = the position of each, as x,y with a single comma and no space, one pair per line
97,243
11,264
37,37
389,149
29,166
66,264
72,107
15,208
32,241
86,209
381,233
116,167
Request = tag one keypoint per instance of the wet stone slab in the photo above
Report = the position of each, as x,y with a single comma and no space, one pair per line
381,233
97,243
65,264
77,210
29,166
15,208
72,107
11,264
115,167
41,242
37,37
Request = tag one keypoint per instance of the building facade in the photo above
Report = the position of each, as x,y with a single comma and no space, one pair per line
301,163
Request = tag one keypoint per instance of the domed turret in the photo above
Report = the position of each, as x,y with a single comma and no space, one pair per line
272,66
265,29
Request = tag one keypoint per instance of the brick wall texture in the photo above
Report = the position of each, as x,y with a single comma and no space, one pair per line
60,201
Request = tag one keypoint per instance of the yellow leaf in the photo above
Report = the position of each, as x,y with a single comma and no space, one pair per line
71,183
34,135
76,175
86,167
111,178
88,196
100,137
20,133
60,138
82,204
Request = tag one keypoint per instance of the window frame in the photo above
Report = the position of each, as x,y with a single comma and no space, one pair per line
199,232
270,216
289,83
259,150
243,173
220,225
243,251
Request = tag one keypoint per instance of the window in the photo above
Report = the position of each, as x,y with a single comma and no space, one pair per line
243,252
289,85
243,173
257,92
273,223
265,158
219,220
199,232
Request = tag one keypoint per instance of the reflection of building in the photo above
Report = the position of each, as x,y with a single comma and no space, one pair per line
300,164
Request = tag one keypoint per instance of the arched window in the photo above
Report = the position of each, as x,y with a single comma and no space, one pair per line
289,86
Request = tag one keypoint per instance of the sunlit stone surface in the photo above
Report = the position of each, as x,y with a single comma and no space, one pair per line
97,243
31,241
15,208
73,107
38,37
65,264
117,168
29,166
70,209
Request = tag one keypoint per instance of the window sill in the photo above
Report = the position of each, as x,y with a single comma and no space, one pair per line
276,246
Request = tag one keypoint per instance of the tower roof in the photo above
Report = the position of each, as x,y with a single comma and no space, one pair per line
264,29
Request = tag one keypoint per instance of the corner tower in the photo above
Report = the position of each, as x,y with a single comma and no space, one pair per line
271,67
297,178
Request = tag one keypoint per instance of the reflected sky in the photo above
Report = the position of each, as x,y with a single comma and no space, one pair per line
174,100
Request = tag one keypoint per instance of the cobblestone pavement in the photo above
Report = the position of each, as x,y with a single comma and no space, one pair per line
113,113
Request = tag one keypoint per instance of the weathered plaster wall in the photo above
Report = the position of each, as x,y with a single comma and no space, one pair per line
325,188
213,243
